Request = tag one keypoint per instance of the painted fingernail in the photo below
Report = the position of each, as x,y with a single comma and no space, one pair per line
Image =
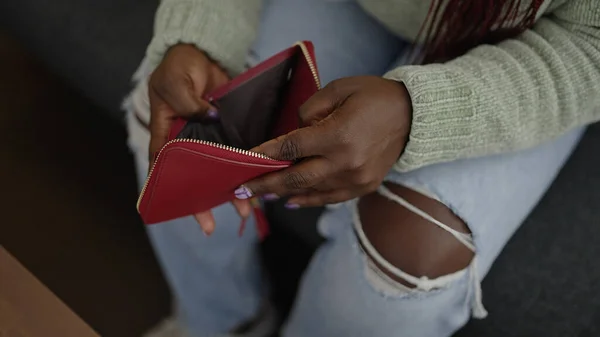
243,193
292,206
270,197
212,114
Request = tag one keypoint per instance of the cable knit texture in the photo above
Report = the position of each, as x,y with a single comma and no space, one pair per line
494,99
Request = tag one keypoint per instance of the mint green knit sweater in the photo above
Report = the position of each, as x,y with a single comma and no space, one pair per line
500,98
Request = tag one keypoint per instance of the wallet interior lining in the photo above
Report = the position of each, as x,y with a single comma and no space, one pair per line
247,114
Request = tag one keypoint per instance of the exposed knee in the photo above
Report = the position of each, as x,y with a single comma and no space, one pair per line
410,242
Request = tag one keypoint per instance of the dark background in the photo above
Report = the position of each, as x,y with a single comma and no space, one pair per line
67,203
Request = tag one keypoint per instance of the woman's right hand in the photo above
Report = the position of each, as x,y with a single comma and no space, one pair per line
175,90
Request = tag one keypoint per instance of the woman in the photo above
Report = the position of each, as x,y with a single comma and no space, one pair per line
465,144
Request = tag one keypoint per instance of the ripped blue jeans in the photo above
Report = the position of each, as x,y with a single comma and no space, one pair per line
217,281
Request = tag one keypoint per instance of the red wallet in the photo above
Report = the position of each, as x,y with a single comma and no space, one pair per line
205,161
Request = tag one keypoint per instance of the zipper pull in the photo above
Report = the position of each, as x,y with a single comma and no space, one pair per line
262,224
242,227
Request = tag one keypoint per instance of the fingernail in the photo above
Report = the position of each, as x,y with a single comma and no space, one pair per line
243,193
206,233
212,114
292,206
270,197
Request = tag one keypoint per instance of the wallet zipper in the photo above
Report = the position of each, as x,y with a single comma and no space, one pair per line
311,65
313,70
219,146
196,141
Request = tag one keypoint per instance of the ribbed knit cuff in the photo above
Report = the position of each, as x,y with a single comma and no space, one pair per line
223,29
444,115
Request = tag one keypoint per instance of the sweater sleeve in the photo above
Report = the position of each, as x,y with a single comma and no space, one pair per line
224,29
510,96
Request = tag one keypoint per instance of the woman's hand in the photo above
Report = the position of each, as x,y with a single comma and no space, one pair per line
175,89
355,130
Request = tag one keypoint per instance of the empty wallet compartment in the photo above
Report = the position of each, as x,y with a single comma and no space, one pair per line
247,113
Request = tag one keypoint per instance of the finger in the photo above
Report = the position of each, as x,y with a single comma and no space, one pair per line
320,105
184,92
316,199
305,142
243,207
161,118
303,175
163,113
206,221
218,77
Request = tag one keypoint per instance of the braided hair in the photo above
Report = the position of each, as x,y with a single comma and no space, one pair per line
452,27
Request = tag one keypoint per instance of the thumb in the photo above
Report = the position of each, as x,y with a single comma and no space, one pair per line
161,119
301,143
187,102
206,110
320,105
163,114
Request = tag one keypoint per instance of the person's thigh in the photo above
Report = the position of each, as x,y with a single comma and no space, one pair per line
340,295
347,41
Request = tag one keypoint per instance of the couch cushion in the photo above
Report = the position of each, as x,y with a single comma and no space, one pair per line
545,282
95,45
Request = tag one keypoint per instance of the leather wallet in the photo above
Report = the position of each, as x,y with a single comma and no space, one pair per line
205,161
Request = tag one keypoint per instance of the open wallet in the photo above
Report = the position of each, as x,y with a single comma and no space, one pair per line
205,161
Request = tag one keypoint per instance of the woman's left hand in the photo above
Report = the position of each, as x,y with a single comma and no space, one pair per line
354,131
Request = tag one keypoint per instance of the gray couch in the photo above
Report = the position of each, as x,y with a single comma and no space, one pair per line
545,283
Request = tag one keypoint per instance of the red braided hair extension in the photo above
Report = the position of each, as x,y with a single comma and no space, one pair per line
452,27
